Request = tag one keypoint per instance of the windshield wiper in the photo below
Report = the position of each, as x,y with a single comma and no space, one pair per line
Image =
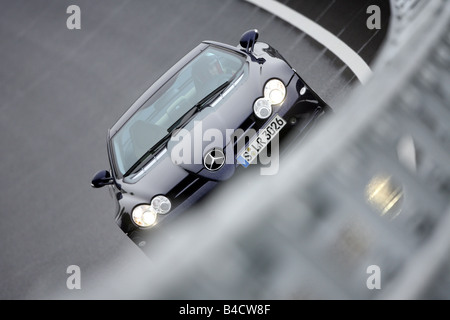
178,124
198,107
152,151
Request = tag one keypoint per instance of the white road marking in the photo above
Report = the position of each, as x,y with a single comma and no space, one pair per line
352,59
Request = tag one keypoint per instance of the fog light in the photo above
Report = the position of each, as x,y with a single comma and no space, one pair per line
161,204
262,108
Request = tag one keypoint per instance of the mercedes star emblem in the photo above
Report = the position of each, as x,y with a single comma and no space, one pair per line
214,159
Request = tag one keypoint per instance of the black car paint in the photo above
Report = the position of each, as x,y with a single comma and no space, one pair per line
185,184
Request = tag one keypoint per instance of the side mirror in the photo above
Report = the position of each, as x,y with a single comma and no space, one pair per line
248,40
101,179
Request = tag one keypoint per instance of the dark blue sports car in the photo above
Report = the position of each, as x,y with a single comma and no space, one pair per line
219,108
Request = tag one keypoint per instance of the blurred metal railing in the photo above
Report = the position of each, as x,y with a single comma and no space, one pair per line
369,187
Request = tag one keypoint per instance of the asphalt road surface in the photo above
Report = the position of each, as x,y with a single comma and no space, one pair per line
62,89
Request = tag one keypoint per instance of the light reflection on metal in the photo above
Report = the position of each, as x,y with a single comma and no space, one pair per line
385,195
406,151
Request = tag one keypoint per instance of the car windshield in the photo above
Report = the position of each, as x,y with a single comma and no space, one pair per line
148,128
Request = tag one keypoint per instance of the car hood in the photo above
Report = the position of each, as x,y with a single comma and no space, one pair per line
212,127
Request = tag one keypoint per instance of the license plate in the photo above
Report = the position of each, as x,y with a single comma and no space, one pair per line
265,135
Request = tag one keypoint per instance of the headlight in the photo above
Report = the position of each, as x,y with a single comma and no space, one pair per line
275,91
144,215
262,108
161,204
